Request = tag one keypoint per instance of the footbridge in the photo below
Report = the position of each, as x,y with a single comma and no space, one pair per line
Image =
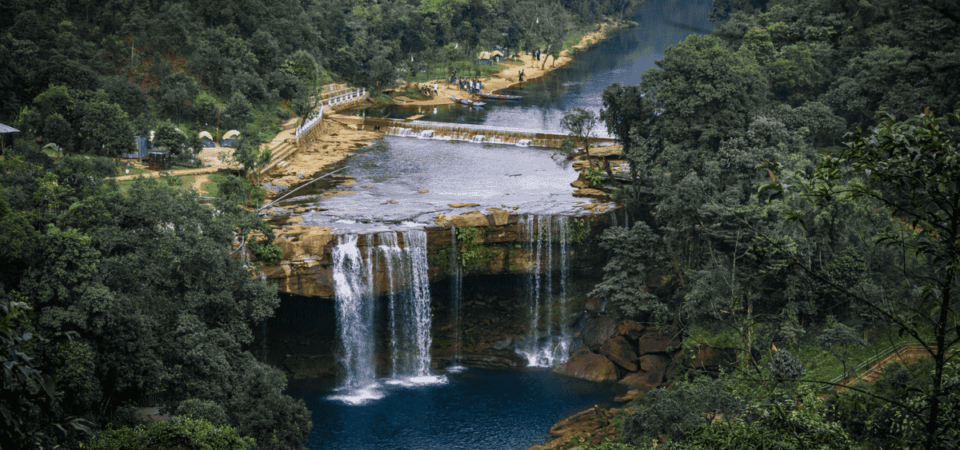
461,132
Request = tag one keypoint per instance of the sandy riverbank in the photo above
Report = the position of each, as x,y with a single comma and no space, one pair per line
509,77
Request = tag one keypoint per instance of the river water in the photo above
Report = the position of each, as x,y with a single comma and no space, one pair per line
475,408
621,59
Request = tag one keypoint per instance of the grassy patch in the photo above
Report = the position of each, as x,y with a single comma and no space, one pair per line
572,40
824,365
410,93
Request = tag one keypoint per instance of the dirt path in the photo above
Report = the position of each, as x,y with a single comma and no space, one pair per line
906,355
171,173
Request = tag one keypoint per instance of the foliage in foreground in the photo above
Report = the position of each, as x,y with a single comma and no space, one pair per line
179,433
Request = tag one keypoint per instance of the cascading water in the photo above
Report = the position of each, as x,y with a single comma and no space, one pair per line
456,289
547,343
408,310
354,314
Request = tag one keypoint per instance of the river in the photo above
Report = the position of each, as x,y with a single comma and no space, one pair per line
477,409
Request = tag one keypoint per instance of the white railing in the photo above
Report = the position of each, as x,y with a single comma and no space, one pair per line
310,122
348,97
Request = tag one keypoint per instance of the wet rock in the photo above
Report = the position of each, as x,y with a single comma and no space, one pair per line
462,205
295,219
588,192
618,350
499,359
630,395
424,191
300,210
472,219
598,331
656,343
367,186
631,329
642,380
500,216
503,343
588,366
651,363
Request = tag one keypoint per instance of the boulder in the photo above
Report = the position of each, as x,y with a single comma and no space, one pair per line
588,366
494,359
631,329
470,219
599,330
643,381
503,343
651,363
500,217
619,350
656,343
630,395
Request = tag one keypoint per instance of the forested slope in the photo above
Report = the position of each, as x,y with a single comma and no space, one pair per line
111,298
759,224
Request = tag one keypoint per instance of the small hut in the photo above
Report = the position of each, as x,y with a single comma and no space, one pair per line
159,160
230,138
3,130
484,58
207,139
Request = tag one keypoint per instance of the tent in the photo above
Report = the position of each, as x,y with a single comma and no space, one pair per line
207,139
230,138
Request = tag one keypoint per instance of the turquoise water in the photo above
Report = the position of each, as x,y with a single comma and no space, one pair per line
476,409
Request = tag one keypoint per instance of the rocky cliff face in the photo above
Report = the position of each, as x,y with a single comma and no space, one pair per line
306,267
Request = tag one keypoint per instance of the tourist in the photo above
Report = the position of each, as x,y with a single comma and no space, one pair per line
435,88
521,75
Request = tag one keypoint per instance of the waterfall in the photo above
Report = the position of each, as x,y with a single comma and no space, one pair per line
354,314
417,250
408,309
391,254
456,289
548,343
478,139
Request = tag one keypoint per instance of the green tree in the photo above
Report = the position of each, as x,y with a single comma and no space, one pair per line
106,128
58,130
303,66
30,398
237,113
908,170
251,154
677,413
179,433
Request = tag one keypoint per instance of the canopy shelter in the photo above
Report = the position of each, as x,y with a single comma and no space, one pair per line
230,138
6,129
207,139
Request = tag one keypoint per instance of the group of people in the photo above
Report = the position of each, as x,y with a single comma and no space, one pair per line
473,86
425,89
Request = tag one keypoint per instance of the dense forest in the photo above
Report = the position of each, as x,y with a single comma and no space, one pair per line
794,199
112,297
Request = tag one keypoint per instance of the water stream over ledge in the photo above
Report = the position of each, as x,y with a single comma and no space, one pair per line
383,393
